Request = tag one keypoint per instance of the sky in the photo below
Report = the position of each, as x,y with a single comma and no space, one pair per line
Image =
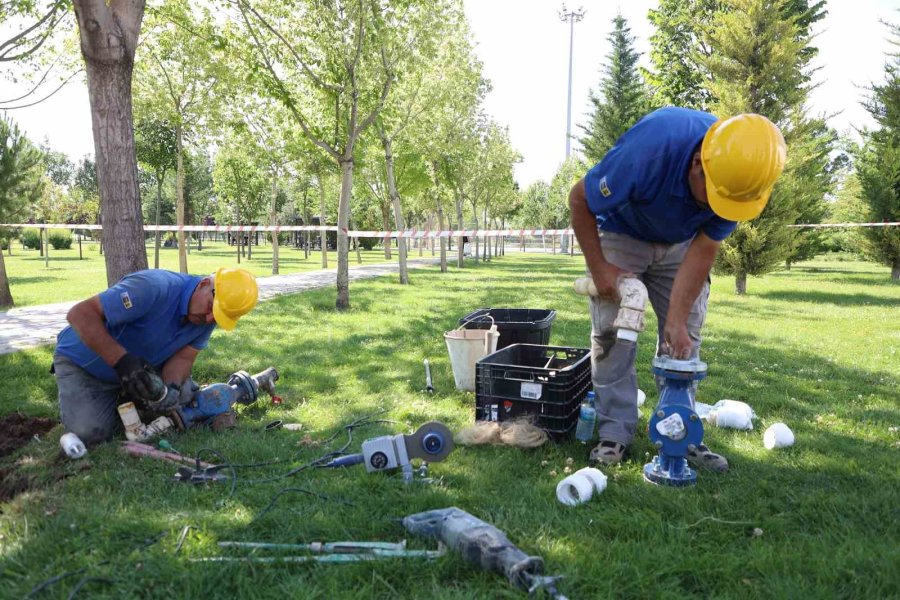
524,47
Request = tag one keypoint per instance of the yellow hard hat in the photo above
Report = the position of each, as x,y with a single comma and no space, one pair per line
742,157
236,293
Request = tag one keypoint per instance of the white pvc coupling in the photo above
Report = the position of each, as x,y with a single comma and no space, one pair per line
580,486
732,414
72,445
778,435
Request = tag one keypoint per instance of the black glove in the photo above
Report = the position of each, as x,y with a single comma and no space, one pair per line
139,379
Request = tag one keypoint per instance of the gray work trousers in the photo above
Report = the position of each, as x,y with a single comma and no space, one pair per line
88,407
612,362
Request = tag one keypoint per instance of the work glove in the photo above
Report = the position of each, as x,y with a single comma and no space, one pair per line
139,380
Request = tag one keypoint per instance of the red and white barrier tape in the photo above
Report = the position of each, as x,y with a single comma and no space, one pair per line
839,225
407,233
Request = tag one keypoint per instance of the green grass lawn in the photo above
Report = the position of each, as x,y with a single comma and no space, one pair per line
817,347
65,276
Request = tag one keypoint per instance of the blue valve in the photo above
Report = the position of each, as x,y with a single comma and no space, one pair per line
675,429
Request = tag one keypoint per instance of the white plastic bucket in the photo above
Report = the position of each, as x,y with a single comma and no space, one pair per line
466,346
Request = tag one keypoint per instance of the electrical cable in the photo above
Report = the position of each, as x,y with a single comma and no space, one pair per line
53,580
283,491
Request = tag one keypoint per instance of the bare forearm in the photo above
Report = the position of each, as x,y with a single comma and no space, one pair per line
584,224
178,368
86,318
691,276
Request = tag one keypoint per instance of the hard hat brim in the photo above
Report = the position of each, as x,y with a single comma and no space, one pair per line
733,210
222,320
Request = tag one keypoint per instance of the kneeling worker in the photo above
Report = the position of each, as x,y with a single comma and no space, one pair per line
138,336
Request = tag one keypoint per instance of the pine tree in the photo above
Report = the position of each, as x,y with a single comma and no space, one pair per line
21,184
622,99
759,64
878,165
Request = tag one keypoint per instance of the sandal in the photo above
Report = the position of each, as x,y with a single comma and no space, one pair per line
704,458
608,453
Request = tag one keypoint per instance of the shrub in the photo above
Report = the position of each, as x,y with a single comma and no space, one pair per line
367,243
31,238
284,237
60,239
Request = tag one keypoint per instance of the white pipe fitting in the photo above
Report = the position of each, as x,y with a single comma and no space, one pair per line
580,486
633,293
778,435
732,414
72,445
135,429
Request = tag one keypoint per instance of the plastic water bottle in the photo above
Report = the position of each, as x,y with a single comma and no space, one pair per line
587,416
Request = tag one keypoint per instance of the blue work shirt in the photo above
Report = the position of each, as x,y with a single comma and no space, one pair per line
146,312
640,188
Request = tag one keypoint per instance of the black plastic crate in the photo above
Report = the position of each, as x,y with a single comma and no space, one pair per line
499,409
546,382
515,325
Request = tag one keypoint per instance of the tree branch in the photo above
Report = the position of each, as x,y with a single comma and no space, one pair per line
284,91
303,65
14,42
47,96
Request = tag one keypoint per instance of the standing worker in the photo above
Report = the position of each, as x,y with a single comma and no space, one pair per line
137,337
657,206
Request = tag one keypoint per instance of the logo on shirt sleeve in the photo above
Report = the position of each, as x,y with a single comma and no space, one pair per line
604,188
126,300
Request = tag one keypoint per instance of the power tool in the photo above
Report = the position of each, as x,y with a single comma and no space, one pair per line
485,545
675,429
431,442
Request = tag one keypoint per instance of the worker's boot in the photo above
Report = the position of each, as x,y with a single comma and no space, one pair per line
607,453
704,458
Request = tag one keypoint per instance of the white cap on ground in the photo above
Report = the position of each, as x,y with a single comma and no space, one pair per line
778,435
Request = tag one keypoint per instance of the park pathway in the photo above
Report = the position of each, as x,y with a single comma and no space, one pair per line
32,326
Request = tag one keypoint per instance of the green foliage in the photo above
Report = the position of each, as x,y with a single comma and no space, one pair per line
878,165
21,170
31,238
757,64
60,239
847,207
677,47
622,97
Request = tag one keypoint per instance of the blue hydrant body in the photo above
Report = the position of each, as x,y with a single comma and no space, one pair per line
675,429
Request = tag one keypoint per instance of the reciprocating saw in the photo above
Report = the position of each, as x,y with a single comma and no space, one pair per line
485,545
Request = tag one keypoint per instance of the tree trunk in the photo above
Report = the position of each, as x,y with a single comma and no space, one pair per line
158,236
273,221
179,199
442,242
343,241
740,283
385,226
895,270
108,33
355,242
6,299
398,211
323,241
459,219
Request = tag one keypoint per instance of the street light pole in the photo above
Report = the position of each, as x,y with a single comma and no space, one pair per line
572,16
